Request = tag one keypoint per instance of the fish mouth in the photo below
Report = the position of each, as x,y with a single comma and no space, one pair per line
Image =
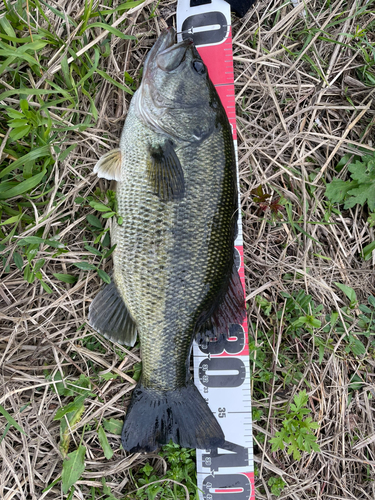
167,54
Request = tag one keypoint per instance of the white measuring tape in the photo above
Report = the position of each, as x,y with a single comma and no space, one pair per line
221,369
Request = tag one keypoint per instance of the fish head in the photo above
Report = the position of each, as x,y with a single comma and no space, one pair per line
176,96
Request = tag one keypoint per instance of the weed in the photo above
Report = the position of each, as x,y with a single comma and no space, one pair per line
355,320
276,484
275,205
296,432
181,468
296,317
360,189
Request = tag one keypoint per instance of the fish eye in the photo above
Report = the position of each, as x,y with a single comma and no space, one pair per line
199,67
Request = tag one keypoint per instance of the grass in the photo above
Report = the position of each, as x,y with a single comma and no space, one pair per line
305,87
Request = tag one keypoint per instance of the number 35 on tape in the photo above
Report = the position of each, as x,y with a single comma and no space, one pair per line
221,369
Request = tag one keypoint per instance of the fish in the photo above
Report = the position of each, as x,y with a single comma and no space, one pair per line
174,274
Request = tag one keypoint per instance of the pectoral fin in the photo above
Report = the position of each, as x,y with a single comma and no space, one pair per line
109,316
165,172
109,165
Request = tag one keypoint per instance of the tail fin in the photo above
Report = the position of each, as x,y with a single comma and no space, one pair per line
154,417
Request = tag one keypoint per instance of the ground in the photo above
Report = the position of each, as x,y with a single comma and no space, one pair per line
305,87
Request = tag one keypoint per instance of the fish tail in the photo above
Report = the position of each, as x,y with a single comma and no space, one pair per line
154,417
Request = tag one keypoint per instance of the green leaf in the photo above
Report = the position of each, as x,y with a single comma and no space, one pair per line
11,420
7,27
108,452
361,194
45,286
107,491
17,55
26,91
109,252
30,240
113,425
109,376
38,265
16,123
278,441
58,385
66,152
334,318
23,186
110,79
357,347
19,132
52,484
85,266
94,221
100,207
120,8
309,443
54,243
301,399
360,171
93,250
367,250
112,30
66,278
15,218
356,383
28,274
293,449
18,260
315,323
108,215
365,309
73,467
29,157
360,189
104,276
349,292
75,405
337,190
24,105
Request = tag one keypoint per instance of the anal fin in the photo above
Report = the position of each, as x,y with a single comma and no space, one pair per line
109,316
230,310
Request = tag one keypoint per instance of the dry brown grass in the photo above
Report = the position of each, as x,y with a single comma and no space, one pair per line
294,125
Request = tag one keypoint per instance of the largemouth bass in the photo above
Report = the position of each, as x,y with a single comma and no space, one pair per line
174,276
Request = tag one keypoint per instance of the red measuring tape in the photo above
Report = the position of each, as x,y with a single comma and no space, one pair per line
221,369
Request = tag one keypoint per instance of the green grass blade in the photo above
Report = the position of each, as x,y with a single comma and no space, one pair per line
32,156
25,91
73,466
112,30
120,8
11,420
110,79
23,186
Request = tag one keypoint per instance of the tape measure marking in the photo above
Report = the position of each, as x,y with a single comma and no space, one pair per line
221,369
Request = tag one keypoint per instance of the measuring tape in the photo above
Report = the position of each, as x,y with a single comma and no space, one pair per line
221,369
